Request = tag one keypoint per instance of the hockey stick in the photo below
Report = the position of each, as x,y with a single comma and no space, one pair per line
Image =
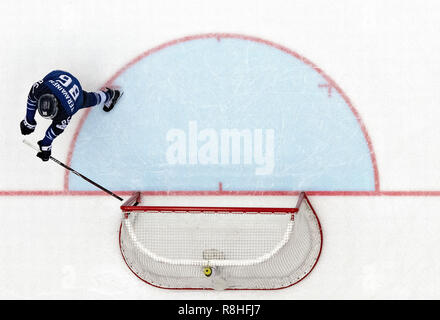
75,172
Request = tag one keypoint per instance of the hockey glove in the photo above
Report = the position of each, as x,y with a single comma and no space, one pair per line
45,152
27,128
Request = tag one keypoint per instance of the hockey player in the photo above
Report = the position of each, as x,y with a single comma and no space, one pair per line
58,97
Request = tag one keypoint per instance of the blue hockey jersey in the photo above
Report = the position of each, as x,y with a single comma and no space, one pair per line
66,88
69,93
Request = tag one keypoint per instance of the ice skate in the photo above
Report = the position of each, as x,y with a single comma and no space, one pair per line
115,93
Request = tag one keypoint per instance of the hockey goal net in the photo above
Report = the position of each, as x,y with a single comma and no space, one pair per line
220,247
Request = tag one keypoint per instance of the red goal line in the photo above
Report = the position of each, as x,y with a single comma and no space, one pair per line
390,193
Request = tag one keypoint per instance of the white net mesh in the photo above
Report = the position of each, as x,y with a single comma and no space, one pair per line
221,250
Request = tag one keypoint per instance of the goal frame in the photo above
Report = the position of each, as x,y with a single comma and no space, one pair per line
132,205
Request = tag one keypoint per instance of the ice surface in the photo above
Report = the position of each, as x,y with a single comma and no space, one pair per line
65,246
229,110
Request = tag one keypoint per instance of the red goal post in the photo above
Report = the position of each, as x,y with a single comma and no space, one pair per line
178,247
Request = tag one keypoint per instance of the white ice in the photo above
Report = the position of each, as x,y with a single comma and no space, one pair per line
384,55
